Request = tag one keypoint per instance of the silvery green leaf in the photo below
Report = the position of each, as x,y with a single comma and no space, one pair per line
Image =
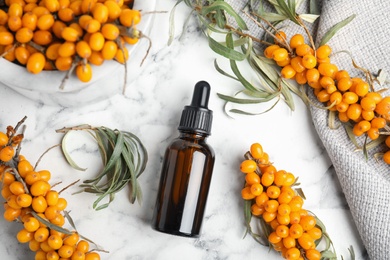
335,28
314,7
382,77
67,155
310,18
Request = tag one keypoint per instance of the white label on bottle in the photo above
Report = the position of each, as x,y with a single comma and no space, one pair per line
192,196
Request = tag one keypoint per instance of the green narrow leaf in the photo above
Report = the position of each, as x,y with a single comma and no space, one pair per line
172,23
67,155
50,225
335,28
225,51
288,10
314,7
221,5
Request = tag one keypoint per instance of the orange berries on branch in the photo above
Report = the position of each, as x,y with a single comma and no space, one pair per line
31,200
353,99
271,199
45,35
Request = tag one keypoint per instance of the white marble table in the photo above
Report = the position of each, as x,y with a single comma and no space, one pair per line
151,109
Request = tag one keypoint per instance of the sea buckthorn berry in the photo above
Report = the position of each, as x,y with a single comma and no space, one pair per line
100,13
256,210
343,117
344,84
280,54
246,193
24,200
67,49
378,122
65,251
282,231
386,157
326,81
289,242
3,139
34,245
256,150
84,72
70,34
6,153
31,225
274,238
328,69
42,37
296,40
256,189
111,31
350,97
373,133
362,89
267,179
273,191
96,41
375,96
92,256
280,177
341,74
61,204
40,188
268,52
59,220
323,51
306,241
17,188
283,219
284,197
288,72
368,103
309,61
39,204
354,111
336,98
300,77
383,107
284,209
248,166
130,17
55,241
356,131
303,49
342,107
66,14
293,253
307,222
313,254
252,178
297,64
368,115
315,233
11,214
280,37
312,75
271,206
35,63
323,96
24,236
82,246
261,199
290,179
281,63
6,179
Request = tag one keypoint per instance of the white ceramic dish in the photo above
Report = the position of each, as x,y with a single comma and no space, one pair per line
107,80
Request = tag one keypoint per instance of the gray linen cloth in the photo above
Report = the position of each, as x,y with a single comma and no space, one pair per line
365,183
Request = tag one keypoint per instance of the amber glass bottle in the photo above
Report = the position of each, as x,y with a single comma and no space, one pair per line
186,171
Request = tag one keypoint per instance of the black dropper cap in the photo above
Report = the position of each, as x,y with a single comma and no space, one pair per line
197,117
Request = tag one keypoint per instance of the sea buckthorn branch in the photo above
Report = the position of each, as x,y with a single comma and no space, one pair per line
32,201
274,204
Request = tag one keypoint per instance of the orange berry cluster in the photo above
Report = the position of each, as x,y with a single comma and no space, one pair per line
29,199
351,97
57,34
293,230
